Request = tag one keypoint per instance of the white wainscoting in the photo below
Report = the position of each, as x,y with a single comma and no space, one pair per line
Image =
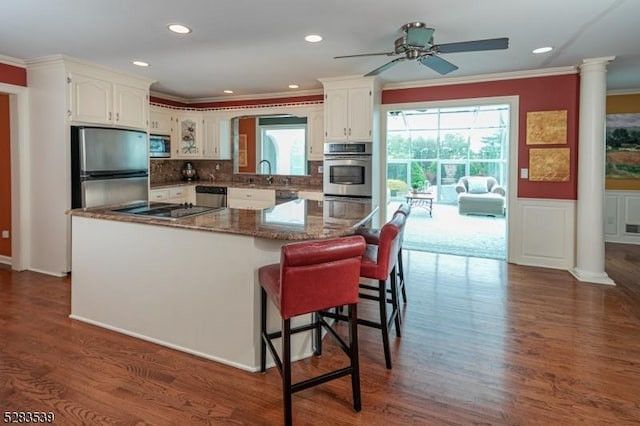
621,208
542,233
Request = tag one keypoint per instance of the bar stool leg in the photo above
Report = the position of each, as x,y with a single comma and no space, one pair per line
263,330
355,365
395,313
317,334
382,296
401,276
286,371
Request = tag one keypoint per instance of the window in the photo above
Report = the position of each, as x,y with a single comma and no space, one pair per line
283,145
437,146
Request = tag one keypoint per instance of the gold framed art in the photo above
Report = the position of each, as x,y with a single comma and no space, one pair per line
242,150
549,164
547,127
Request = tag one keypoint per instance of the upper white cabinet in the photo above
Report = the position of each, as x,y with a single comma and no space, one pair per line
97,99
315,135
160,121
216,137
348,113
188,140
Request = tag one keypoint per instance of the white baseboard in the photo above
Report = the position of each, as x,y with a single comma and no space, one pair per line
6,260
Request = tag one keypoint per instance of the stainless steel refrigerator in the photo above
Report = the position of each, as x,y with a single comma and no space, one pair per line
108,166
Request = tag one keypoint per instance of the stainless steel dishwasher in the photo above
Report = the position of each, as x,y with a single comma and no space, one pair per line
211,196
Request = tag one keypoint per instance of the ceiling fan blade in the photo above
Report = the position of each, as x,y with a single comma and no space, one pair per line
366,54
384,67
473,46
438,64
419,36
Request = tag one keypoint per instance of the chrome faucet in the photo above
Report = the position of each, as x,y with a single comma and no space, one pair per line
270,176
268,164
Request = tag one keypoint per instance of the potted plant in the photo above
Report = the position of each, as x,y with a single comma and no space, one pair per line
415,186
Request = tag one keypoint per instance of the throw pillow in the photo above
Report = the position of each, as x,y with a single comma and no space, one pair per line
477,185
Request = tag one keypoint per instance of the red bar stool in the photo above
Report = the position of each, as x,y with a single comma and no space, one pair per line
372,236
379,263
312,276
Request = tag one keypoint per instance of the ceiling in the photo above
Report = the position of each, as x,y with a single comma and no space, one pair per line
256,47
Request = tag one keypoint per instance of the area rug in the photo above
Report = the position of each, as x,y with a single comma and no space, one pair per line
451,233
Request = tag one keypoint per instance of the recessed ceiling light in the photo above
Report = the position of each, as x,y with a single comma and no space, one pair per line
313,38
179,28
293,86
140,63
543,49
228,91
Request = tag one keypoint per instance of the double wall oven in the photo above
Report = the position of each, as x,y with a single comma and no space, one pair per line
347,169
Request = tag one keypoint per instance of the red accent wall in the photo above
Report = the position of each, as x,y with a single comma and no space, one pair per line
13,75
247,126
559,92
5,175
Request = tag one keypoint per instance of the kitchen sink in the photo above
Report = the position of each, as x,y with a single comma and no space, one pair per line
284,195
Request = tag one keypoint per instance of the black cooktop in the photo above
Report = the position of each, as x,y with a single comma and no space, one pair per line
167,211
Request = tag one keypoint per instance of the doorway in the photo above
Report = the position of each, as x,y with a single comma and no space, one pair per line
429,149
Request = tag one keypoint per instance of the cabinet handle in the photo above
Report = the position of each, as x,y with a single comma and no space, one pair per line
109,116
349,131
117,116
345,131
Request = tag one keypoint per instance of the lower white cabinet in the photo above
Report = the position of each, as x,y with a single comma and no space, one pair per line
311,195
250,198
174,194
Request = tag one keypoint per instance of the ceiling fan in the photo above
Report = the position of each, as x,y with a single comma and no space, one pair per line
416,43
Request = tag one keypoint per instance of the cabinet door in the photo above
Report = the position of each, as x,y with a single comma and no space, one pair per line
90,99
160,121
131,106
159,194
189,135
336,114
360,114
315,136
216,138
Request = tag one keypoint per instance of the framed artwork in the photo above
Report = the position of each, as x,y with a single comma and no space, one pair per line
549,164
242,151
623,146
547,127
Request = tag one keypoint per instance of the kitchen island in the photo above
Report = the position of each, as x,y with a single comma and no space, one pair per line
191,284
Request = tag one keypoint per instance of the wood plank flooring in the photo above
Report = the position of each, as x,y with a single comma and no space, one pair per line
483,342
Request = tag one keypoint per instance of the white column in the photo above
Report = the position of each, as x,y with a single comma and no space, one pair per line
591,161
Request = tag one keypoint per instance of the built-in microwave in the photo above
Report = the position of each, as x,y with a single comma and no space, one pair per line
159,146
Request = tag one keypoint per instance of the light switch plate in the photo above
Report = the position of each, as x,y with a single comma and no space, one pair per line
524,173
320,169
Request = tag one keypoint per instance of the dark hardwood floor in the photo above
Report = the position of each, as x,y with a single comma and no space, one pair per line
483,342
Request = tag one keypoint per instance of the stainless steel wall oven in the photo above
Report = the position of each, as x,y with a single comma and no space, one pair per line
347,169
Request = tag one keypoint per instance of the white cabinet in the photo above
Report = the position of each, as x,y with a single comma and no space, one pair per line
311,195
216,137
349,108
160,121
159,194
349,114
250,198
315,135
98,100
188,135
174,194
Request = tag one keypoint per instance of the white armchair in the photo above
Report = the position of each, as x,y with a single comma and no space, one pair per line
480,195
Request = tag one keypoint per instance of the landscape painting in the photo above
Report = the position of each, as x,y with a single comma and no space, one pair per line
623,146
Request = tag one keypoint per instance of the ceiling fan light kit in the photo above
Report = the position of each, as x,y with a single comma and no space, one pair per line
416,43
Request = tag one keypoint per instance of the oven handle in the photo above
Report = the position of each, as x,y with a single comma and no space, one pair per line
347,157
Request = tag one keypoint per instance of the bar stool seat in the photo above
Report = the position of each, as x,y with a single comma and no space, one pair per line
311,277
372,236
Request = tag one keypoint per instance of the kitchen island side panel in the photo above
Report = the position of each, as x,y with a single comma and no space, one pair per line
189,290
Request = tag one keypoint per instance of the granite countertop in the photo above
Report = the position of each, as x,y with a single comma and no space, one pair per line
230,184
294,220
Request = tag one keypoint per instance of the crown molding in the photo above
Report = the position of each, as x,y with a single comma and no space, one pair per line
623,92
482,78
274,95
8,60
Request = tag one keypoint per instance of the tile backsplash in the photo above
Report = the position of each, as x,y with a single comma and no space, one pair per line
166,171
